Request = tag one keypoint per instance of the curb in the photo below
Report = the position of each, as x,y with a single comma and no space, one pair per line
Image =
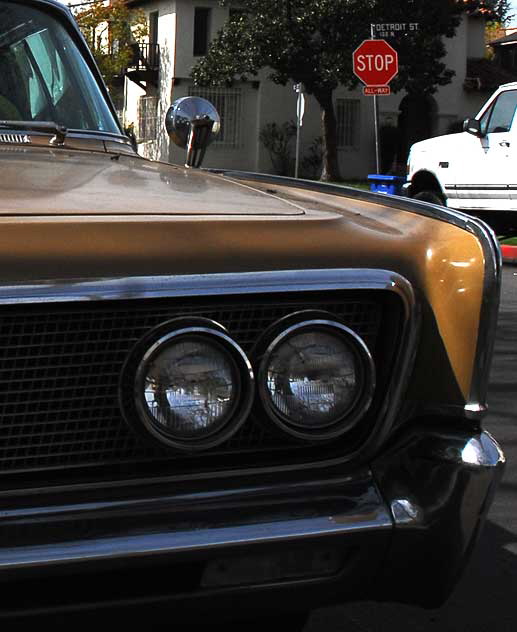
509,253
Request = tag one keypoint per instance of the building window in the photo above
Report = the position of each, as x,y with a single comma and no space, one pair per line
201,30
147,118
228,104
347,115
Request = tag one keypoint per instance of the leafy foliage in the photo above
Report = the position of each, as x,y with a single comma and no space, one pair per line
493,10
312,41
277,139
313,159
110,31
503,10
495,28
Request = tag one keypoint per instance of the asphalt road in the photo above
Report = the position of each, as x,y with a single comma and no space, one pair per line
485,600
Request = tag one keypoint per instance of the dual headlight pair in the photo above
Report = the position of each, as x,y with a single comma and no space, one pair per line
190,386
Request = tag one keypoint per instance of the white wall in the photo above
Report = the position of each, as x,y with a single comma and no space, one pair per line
476,45
167,40
454,102
185,30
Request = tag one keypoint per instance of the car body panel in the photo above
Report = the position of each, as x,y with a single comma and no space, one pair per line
100,250
61,182
84,227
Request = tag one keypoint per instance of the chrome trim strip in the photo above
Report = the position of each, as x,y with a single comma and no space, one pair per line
488,315
129,288
473,412
97,139
481,187
15,138
194,540
478,451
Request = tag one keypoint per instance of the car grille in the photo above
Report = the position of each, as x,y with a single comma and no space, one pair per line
60,366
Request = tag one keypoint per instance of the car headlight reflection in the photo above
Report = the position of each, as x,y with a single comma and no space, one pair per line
192,385
316,379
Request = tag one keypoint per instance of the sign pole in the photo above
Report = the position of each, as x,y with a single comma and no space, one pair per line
298,129
300,110
376,119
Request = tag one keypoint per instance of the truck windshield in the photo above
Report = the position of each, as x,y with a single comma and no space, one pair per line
43,76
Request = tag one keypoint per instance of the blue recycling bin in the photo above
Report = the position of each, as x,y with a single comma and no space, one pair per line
392,185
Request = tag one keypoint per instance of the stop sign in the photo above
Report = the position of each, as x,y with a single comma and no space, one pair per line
375,62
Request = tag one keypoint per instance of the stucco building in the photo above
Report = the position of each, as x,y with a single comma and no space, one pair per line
179,34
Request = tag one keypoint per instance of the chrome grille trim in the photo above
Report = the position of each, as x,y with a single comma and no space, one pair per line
127,288
213,286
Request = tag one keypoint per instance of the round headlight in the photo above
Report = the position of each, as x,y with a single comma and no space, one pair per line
193,385
316,379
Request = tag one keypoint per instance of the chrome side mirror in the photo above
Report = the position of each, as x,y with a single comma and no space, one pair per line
472,126
192,123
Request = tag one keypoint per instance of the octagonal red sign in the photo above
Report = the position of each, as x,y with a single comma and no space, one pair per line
375,62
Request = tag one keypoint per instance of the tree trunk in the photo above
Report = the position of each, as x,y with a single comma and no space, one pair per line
330,171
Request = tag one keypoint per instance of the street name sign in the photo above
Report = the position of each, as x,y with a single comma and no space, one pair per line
393,29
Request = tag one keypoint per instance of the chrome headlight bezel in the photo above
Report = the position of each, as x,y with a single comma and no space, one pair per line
132,383
291,326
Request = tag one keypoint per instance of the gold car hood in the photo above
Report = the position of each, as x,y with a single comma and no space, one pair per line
81,217
41,181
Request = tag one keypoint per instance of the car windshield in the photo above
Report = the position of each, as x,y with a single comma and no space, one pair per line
43,76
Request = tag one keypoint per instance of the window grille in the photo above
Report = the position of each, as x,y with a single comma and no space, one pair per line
347,115
147,118
228,104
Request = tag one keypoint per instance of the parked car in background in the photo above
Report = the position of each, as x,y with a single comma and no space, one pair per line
473,171
222,394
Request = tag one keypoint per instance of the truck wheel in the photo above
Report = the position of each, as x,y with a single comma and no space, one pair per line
430,196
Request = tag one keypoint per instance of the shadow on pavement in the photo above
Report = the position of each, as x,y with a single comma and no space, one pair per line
484,601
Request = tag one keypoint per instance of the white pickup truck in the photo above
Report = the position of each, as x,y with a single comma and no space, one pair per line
474,171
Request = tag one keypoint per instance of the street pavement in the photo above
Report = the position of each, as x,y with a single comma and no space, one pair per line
486,598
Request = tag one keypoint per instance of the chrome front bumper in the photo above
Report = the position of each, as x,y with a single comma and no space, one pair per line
422,503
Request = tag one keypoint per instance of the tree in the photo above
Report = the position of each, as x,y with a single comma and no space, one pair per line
111,31
495,27
312,41
501,10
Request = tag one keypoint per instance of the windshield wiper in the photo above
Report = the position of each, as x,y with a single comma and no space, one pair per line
49,127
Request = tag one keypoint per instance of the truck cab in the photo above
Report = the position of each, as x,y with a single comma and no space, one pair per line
473,171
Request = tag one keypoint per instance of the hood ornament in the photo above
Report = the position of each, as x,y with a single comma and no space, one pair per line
193,123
